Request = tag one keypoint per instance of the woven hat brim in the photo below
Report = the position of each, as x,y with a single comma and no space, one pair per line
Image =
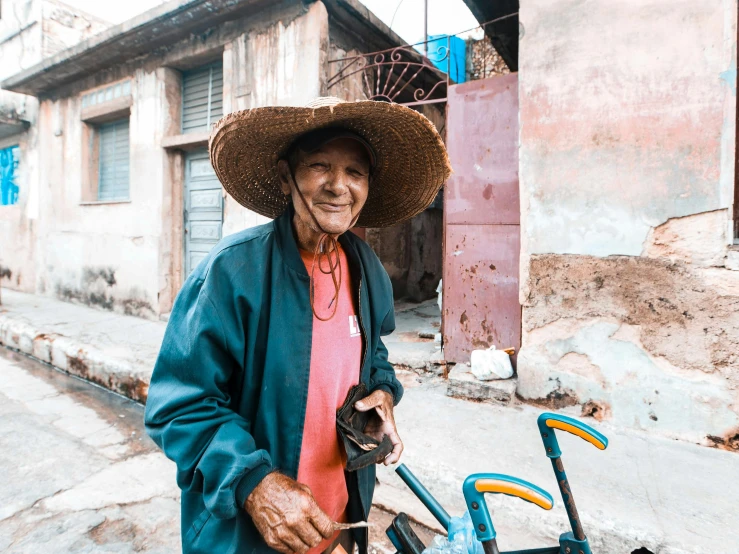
412,163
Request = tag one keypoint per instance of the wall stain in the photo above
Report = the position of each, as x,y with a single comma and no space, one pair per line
97,288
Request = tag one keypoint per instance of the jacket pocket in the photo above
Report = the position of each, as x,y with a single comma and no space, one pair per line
197,526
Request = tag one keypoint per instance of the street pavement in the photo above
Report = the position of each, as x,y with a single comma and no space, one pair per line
78,472
80,475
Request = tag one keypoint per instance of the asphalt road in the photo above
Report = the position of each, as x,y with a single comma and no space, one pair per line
80,475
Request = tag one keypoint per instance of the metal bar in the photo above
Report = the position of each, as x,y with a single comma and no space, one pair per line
436,509
567,498
426,27
490,547
421,102
547,550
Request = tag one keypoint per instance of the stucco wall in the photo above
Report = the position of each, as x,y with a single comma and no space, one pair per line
29,30
626,167
283,64
126,256
104,254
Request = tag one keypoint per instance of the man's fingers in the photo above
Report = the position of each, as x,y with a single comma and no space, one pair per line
394,456
280,546
308,534
323,523
293,542
374,400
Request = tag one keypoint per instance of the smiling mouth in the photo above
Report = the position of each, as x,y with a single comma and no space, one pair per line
333,207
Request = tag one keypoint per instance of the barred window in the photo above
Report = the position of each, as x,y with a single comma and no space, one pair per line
202,97
113,165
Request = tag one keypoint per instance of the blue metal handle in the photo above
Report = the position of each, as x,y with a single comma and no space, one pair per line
548,422
475,487
436,509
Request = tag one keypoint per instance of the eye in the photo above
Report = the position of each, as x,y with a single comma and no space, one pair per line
356,172
318,165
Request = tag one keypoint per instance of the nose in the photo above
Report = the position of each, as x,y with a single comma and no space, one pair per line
338,183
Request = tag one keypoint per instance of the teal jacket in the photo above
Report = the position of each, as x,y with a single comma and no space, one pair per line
228,394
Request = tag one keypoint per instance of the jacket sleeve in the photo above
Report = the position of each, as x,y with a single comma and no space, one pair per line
382,375
188,410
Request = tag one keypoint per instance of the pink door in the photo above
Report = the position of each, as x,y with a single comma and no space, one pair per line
482,238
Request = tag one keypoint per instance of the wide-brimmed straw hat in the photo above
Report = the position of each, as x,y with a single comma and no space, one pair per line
411,161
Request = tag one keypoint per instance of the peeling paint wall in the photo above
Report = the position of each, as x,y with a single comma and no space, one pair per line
280,64
29,30
628,284
126,256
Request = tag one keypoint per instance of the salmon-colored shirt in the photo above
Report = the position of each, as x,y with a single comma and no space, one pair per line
334,368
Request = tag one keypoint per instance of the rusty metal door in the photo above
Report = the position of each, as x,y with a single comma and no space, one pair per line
482,239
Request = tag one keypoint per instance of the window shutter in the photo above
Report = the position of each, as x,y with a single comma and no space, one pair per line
113,152
202,98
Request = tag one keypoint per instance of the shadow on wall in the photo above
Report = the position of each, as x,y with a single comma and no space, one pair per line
411,253
98,288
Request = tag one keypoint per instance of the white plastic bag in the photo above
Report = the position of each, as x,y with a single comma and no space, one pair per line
491,364
461,540
462,528
441,545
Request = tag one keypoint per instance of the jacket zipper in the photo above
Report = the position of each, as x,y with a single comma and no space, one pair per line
361,369
364,333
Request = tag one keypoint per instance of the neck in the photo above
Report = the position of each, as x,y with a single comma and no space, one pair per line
305,235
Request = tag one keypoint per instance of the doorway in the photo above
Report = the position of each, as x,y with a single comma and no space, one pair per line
203,217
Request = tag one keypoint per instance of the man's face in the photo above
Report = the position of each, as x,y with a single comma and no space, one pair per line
334,181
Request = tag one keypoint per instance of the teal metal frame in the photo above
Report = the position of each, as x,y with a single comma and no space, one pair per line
476,486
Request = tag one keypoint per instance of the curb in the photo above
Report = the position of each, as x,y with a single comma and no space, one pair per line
75,358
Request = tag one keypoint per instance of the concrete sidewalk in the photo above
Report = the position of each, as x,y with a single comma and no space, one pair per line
667,496
113,350
118,351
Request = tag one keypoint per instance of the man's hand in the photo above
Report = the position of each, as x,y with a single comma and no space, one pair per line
287,516
383,422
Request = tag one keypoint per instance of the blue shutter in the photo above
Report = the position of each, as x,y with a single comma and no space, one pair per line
113,153
202,98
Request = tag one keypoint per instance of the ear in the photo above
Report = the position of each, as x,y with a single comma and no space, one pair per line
283,172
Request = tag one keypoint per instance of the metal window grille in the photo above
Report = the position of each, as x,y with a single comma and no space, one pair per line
202,98
113,153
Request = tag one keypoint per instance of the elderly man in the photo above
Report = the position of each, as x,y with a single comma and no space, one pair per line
279,327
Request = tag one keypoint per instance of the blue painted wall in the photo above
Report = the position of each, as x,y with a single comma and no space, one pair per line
437,46
9,160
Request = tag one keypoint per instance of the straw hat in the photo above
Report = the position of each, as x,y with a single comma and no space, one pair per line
411,164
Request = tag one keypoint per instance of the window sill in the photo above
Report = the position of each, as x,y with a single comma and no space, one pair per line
188,141
100,202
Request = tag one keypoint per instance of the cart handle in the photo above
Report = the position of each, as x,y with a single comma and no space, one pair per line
548,422
475,487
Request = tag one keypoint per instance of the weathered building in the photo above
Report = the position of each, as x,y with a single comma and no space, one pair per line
629,281
606,163
589,223
127,202
30,30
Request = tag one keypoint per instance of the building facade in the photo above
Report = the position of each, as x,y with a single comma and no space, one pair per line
603,197
30,31
127,202
629,281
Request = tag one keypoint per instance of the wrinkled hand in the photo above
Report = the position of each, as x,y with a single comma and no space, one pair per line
287,516
382,421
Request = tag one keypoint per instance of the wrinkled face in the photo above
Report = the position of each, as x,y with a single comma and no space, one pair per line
334,181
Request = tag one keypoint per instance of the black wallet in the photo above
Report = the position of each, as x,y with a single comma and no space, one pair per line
361,449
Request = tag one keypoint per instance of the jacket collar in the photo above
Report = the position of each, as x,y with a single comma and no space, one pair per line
285,236
286,241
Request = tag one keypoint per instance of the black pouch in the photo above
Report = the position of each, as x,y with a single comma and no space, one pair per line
361,449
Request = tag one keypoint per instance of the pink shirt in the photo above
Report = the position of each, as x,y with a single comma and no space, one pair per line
334,368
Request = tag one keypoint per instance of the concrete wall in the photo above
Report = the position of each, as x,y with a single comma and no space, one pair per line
628,283
127,255
29,31
280,64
